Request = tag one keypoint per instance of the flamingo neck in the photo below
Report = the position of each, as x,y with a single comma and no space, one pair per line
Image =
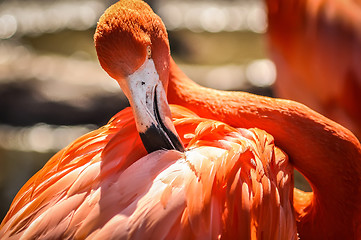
327,154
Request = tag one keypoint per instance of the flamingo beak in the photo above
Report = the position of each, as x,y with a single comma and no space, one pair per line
151,110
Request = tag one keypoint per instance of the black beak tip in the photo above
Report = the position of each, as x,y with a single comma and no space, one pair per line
156,139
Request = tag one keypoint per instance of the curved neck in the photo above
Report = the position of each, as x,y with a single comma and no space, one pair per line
327,154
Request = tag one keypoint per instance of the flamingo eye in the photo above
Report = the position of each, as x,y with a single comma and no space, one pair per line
149,52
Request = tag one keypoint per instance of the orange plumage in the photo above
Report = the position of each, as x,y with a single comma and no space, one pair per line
229,183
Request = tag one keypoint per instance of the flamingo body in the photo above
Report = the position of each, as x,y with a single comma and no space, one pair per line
230,183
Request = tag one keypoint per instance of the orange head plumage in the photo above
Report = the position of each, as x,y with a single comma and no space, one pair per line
132,47
127,34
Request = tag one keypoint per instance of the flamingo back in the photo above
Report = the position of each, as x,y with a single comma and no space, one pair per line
229,183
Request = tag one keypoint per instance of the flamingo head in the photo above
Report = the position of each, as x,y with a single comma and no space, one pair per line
132,46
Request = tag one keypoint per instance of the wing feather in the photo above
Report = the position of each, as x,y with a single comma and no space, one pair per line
229,183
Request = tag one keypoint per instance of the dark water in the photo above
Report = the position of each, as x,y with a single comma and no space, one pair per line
15,169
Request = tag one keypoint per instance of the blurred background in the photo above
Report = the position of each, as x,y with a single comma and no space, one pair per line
52,89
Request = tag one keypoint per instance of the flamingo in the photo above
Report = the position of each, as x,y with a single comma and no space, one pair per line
316,46
151,176
206,175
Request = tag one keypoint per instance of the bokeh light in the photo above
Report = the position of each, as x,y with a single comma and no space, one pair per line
33,17
214,16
